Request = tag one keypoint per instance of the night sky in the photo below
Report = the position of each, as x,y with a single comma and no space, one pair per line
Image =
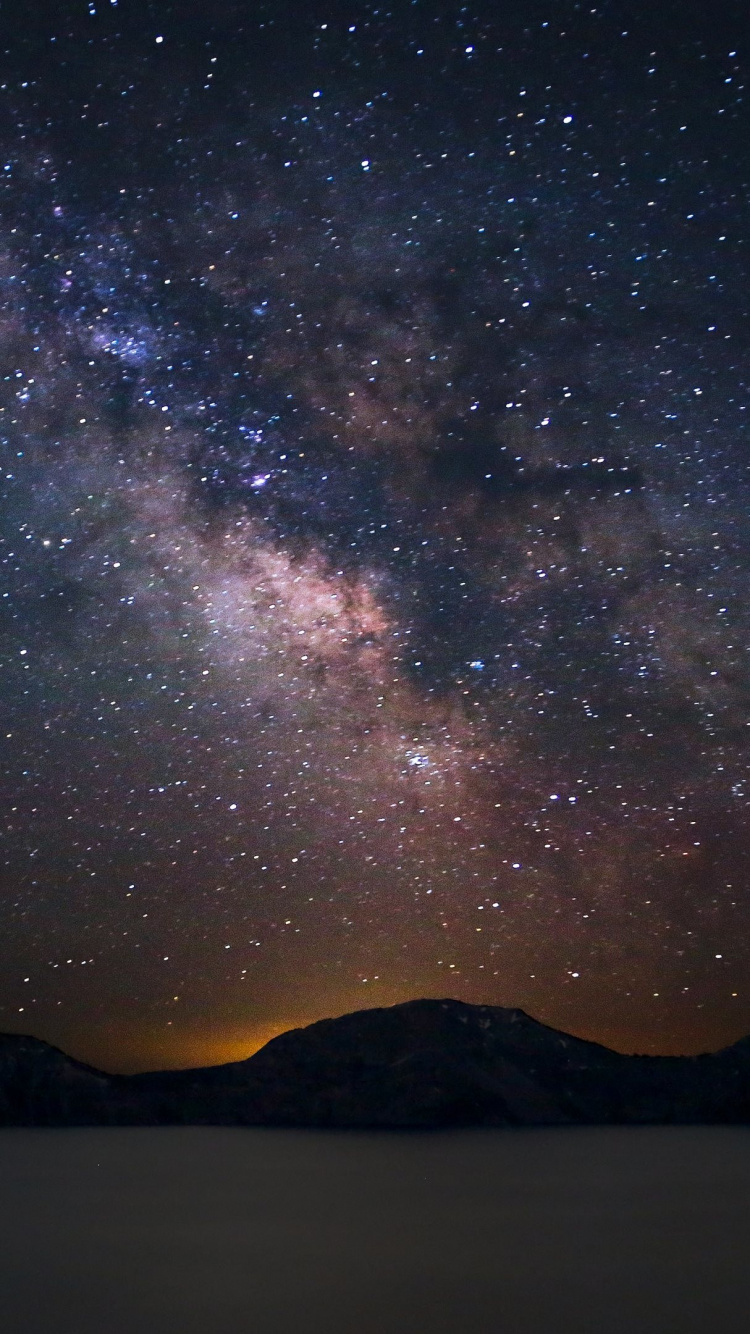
375,530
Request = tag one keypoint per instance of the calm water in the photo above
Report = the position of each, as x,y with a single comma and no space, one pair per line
201,1231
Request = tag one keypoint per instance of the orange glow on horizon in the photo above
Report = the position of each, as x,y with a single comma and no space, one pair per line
127,1052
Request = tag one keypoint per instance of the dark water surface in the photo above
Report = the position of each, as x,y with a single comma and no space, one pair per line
206,1231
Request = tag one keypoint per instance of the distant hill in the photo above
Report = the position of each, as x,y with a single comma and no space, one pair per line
41,1086
426,1063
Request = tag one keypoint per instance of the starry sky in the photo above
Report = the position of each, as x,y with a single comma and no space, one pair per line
374,534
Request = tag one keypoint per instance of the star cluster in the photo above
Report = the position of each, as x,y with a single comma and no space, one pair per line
375,541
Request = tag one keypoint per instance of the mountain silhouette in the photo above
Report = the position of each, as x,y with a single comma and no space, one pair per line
425,1063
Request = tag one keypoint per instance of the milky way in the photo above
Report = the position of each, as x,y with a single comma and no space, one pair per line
375,538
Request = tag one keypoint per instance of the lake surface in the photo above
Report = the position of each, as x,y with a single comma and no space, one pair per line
212,1231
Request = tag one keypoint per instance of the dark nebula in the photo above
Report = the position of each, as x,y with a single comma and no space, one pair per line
375,519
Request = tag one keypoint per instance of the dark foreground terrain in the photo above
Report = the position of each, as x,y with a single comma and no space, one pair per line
220,1231
425,1064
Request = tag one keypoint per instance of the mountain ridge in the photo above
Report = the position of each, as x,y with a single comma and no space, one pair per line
421,1064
